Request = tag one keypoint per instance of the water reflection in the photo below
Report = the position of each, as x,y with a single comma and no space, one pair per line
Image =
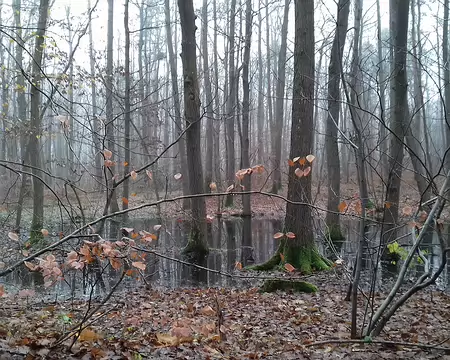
245,240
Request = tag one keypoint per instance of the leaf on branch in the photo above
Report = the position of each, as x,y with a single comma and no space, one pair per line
407,210
107,154
278,235
258,169
213,186
238,265
157,227
229,188
290,235
307,171
297,158
109,163
299,172
44,232
282,257
124,201
178,176
291,163
149,174
310,158
342,207
302,161
133,175
139,264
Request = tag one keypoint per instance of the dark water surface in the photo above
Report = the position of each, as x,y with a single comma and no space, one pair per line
246,241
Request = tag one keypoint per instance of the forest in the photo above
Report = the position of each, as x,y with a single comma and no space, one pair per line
224,179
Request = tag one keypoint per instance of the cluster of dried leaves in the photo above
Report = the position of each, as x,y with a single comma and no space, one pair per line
217,324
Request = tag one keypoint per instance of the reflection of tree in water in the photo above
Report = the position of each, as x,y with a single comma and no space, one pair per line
247,257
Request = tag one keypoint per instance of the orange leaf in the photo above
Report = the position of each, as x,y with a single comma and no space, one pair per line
238,265
133,194
358,207
278,235
290,162
290,235
282,257
129,272
2,290
125,163
124,201
115,263
302,161
289,267
299,172
213,186
387,204
139,264
89,335
342,207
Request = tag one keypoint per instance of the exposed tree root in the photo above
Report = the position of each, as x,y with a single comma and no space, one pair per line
293,285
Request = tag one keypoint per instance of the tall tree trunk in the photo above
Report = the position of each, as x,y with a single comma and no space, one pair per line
176,100
382,108
231,104
95,126
446,66
197,246
399,29
127,115
209,100
332,124
279,101
70,168
35,123
112,196
260,117
245,149
216,140
21,108
300,251
270,123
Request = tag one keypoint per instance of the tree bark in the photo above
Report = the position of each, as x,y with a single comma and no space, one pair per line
177,104
399,29
35,124
209,100
279,102
260,117
231,104
332,124
446,66
197,246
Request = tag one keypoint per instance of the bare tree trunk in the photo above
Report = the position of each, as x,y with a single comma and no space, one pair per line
176,100
260,117
279,101
35,124
209,100
114,206
445,64
231,104
197,246
127,115
332,124
269,82
245,150
382,113
70,168
399,29
216,140
95,128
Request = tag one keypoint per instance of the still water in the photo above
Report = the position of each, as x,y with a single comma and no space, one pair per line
246,241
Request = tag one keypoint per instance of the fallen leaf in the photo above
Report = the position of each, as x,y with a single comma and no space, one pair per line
289,267
13,236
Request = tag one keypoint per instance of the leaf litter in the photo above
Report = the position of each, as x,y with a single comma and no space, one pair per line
218,323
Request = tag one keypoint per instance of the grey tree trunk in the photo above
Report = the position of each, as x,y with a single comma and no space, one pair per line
95,128
445,59
260,116
332,124
231,104
399,29
245,149
197,246
112,196
216,140
35,124
127,115
176,100
209,100
279,102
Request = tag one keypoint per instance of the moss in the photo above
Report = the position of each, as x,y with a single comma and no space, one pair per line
196,249
286,285
37,239
270,264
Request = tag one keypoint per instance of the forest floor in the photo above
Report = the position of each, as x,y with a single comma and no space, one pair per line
184,324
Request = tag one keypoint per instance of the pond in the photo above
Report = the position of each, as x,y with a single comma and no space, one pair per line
230,243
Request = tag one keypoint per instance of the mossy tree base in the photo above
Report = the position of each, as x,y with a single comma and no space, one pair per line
304,259
288,285
334,233
196,249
